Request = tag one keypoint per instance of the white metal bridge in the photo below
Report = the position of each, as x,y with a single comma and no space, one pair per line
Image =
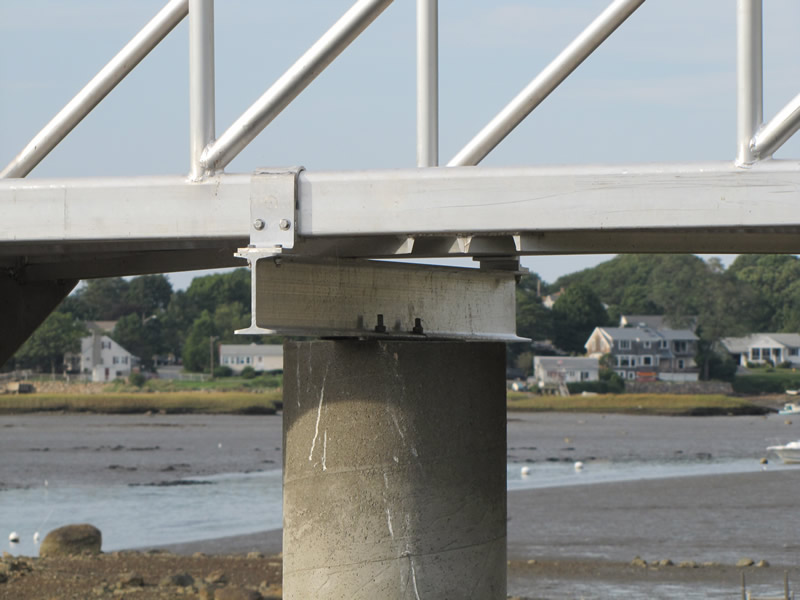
306,232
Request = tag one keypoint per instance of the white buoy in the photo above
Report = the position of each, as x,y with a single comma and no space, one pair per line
578,466
13,537
525,471
36,537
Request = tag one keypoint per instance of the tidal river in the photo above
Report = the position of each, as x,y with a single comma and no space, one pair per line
683,488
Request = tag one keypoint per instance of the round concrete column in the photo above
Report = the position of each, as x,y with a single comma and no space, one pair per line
394,480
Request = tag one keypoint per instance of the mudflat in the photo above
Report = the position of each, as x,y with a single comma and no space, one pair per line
564,542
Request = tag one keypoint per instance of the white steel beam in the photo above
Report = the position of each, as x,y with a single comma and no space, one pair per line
97,89
201,83
593,198
544,83
222,151
708,207
749,79
427,83
775,133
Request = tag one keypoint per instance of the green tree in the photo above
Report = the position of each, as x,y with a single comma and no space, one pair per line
148,294
141,337
102,299
60,333
211,291
576,313
197,348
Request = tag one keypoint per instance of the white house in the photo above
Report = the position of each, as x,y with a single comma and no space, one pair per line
554,370
262,357
642,353
760,348
104,359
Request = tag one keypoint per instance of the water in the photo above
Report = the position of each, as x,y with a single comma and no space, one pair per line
146,515
200,508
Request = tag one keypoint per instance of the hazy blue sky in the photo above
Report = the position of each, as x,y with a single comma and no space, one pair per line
661,89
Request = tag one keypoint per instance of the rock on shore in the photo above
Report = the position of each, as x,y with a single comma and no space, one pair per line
72,540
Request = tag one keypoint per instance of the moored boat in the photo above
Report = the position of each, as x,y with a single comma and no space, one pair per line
790,408
788,453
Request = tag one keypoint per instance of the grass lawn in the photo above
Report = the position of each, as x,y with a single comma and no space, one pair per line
128,403
639,404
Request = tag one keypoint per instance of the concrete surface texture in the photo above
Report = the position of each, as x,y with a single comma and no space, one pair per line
394,470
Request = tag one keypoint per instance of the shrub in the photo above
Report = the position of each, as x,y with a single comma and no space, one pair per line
223,371
248,372
137,379
785,365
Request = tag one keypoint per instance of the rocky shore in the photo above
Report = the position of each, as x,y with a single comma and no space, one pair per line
153,575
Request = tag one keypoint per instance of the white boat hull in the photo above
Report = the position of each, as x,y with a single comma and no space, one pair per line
789,454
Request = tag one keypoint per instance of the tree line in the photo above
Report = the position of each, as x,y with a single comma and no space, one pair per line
756,293
152,319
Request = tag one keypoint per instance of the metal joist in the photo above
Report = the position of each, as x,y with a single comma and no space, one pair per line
419,212
371,299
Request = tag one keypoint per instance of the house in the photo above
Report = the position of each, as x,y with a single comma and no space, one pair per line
643,353
262,357
549,300
552,371
104,359
763,348
653,321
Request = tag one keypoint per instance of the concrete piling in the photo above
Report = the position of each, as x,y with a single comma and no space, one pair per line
394,470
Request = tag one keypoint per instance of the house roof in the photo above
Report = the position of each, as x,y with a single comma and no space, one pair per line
252,349
643,334
787,339
740,345
652,321
566,362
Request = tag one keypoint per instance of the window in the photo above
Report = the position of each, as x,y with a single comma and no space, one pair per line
646,344
584,375
663,345
681,364
793,351
115,360
647,361
755,353
631,374
624,344
679,346
623,360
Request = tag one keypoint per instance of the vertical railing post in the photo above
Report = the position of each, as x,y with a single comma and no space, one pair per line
201,82
749,82
427,83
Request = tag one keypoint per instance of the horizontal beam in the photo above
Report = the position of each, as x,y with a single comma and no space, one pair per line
381,300
120,210
468,200
459,211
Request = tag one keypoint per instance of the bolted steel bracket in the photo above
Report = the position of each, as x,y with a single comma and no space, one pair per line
273,207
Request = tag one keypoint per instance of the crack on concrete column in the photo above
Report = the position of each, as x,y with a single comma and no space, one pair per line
324,449
414,577
319,415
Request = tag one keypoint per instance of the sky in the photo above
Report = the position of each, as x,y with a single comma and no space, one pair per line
662,88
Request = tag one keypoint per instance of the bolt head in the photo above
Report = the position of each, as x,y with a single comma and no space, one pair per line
259,224
285,224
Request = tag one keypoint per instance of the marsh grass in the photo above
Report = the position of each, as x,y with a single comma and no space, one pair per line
131,403
640,404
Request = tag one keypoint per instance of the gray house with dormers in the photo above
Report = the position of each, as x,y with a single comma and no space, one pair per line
647,354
